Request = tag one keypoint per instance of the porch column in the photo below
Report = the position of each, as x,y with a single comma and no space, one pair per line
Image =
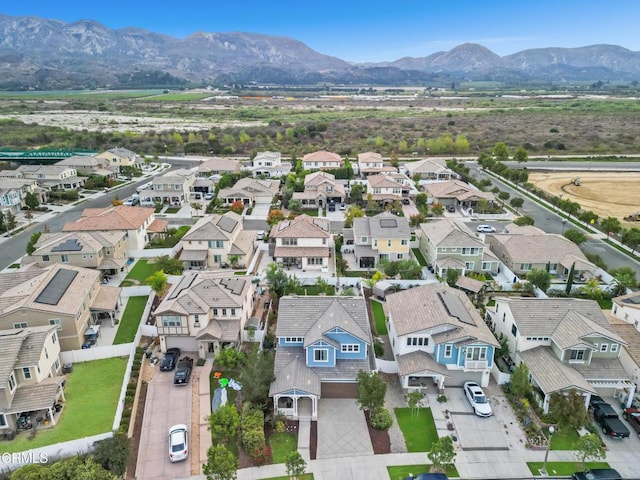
112,317
632,391
51,417
545,404
314,407
61,390
295,405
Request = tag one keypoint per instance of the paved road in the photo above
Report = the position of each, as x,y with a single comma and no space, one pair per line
577,165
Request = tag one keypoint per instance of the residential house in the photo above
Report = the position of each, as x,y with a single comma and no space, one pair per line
67,297
52,177
30,380
305,242
383,189
320,189
384,236
203,312
567,344
437,337
522,252
119,157
217,166
322,344
448,244
269,165
627,308
457,194
10,199
138,223
105,251
322,160
90,165
371,163
429,169
630,353
14,190
172,188
216,240
249,191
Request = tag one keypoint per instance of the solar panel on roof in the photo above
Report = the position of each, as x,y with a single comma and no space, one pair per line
388,223
57,286
227,224
69,245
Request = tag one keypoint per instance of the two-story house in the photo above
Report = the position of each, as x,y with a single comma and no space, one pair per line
305,242
10,199
322,160
203,312
384,236
90,165
217,166
105,251
269,165
138,223
320,188
429,169
30,380
119,157
371,163
14,190
67,297
52,177
322,344
627,308
567,344
172,188
438,337
383,189
250,190
457,194
448,244
214,239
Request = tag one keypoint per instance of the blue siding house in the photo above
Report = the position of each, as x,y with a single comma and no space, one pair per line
322,344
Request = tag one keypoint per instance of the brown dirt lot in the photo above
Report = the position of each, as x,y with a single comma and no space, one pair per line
605,193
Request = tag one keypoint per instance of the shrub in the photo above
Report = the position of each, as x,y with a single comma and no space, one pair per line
378,349
381,419
252,427
200,362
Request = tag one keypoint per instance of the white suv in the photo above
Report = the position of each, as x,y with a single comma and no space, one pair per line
485,229
477,399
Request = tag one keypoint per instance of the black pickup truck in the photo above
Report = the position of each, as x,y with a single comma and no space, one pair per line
607,418
183,371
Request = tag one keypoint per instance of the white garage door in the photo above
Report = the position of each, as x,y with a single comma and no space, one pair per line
185,344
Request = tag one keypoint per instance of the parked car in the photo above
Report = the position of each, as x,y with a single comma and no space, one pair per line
260,235
208,196
607,418
178,443
632,415
170,359
485,229
90,340
477,399
343,206
406,201
428,476
597,474
331,207
451,209
595,400
183,371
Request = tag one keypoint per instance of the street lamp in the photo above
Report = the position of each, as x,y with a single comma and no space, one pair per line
543,470
564,223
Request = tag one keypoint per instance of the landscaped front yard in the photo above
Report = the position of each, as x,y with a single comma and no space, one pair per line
419,430
282,444
379,317
130,320
564,469
92,391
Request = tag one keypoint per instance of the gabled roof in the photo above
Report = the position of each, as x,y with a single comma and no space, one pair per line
120,217
121,152
383,181
334,316
447,232
302,226
384,225
538,248
291,373
69,242
317,178
251,187
369,157
275,157
215,227
417,362
456,189
630,300
550,373
322,156
437,305
572,331
218,164
21,348
427,165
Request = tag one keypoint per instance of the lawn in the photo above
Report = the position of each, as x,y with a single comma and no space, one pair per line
130,320
379,317
564,469
419,431
91,393
141,270
282,444
313,290
401,472
172,210
419,257
564,440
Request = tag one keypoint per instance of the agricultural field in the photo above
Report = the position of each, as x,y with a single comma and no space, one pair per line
609,194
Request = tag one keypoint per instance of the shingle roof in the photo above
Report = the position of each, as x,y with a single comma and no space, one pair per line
384,225
419,361
543,248
550,373
21,348
111,218
302,226
214,227
450,233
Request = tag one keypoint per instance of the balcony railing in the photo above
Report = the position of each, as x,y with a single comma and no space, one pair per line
476,365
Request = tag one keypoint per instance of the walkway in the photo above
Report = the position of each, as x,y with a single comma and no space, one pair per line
342,429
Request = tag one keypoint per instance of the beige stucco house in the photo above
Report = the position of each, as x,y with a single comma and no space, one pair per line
305,242
119,157
322,160
320,188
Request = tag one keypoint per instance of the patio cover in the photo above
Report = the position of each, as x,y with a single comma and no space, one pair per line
107,299
112,264
193,255
36,397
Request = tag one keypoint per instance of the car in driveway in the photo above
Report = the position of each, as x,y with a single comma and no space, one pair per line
170,359
428,476
477,399
451,208
183,371
208,196
597,474
178,443
485,229
343,206
331,207
632,416
406,201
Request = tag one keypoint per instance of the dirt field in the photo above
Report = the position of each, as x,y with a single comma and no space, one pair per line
604,193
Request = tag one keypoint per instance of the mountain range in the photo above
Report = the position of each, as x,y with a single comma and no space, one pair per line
37,53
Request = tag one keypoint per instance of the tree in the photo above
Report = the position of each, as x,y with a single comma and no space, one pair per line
31,201
520,385
275,216
221,464
589,447
504,196
357,191
352,212
569,410
624,278
501,152
33,240
422,202
441,454
237,207
196,206
569,285
169,265
256,375
437,209
413,399
576,236
277,279
521,155
516,203
631,238
223,423
539,278
524,220
3,227
113,453
452,276
116,201
158,282
11,220
610,225
295,206
592,289
295,465
371,390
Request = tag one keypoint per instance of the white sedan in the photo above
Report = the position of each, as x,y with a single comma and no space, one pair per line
485,229
477,399
178,443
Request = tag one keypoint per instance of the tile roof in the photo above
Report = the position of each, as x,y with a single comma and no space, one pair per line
603,369
106,298
36,397
572,331
120,217
218,164
214,227
369,157
550,373
630,300
383,181
302,226
417,362
630,335
380,226
90,242
543,248
304,252
21,348
122,152
447,232
470,284
318,178
291,373
251,187
322,156
427,165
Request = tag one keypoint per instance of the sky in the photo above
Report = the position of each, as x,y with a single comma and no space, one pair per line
370,31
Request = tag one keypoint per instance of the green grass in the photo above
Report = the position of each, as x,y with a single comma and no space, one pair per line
564,469
242,272
419,257
314,290
282,444
172,210
400,472
419,431
91,393
605,303
130,320
141,270
564,440
379,317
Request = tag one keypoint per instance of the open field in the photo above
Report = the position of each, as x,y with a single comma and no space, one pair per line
605,193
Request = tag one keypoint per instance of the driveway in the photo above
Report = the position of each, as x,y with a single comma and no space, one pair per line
342,429
260,211
166,405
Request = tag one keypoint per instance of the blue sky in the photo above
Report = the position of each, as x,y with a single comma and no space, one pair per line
360,31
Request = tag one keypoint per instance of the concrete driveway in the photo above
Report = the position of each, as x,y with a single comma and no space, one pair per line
342,429
166,405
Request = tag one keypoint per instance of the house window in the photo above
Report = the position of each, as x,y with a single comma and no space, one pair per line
56,322
525,267
448,350
26,373
417,341
215,312
216,243
321,355
469,265
404,241
217,258
64,258
233,312
3,420
486,266
45,258
196,319
375,242
314,261
614,347
46,353
577,355
171,321
364,239
476,353
514,330
12,383
604,347
388,243
350,347
20,325
290,242
57,364
54,338
224,312
469,251
400,256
